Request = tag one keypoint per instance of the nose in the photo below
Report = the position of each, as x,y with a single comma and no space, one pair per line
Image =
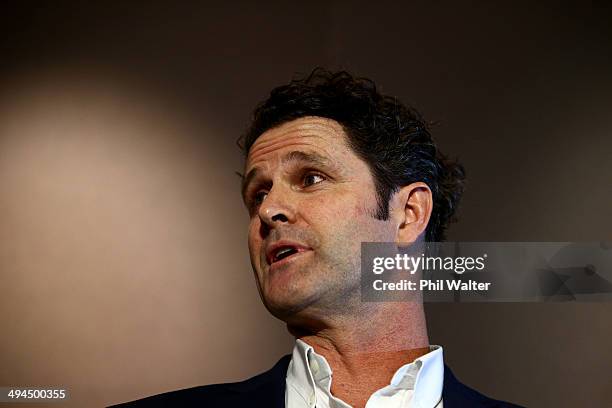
276,208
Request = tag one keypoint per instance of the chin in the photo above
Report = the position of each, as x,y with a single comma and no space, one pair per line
287,305
282,306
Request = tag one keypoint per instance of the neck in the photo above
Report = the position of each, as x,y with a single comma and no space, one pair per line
365,349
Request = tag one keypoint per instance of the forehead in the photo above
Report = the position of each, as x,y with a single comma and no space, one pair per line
322,136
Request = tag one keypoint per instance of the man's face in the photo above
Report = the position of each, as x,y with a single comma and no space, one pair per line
312,202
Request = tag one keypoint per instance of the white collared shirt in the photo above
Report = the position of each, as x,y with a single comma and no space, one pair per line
414,385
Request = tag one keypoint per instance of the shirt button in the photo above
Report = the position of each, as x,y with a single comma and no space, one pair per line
312,400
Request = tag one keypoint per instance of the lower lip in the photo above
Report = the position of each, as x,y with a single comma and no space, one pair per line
286,260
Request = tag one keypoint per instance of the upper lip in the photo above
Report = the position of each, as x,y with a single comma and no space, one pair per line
273,248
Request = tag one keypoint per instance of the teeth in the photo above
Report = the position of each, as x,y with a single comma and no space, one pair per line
283,253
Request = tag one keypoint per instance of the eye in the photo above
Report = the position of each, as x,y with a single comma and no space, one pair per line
312,178
259,197
253,201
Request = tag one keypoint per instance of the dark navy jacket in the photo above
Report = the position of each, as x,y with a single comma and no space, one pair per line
267,390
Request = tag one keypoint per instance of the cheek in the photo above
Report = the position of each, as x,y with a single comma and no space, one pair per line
254,240
326,214
351,221
334,216
343,210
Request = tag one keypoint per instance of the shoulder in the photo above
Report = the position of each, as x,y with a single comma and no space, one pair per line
266,389
456,394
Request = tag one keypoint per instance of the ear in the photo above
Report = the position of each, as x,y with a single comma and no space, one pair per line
411,209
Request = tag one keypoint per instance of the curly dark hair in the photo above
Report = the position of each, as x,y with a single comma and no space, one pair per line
392,138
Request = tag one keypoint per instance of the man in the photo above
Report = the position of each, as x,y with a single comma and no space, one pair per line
332,163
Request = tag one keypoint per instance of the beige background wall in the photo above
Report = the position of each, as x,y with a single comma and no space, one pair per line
123,262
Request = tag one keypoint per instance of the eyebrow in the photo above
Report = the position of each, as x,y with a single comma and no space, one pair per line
296,156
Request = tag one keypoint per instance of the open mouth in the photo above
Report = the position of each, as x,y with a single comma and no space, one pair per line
283,252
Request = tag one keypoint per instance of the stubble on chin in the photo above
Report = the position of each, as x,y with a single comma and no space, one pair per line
323,291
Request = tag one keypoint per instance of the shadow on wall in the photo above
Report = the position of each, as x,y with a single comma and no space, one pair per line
120,222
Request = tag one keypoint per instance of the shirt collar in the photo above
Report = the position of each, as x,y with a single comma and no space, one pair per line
299,373
425,375
430,378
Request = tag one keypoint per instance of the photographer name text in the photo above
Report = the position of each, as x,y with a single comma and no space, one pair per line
432,285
